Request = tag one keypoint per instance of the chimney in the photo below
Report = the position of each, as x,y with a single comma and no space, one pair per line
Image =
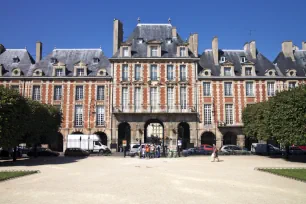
287,49
303,45
117,35
174,32
193,44
215,50
246,47
38,51
253,49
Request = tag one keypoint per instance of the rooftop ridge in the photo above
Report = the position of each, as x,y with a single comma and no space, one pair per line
79,49
163,24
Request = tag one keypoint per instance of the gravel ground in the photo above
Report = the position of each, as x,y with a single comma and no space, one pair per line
133,180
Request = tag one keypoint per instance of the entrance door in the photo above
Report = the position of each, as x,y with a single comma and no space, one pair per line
124,133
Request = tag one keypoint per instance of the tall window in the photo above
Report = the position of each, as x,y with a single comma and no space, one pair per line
153,72
227,71
182,51
125,99
154,98
183,97
170,72
100,93
228,88
57,92
249,89
59,72
100,115
170,98
137,99
183,73
36,93
291,85
207,114
248,71
15,87
137,72
229,114
271,88
78,118
79,94
80,72
125,72
206,88
125,51
154,51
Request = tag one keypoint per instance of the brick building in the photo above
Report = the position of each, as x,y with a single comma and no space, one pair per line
155,84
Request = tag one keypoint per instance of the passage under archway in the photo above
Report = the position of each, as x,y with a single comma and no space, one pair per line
208,138
229,139
103,137
184,134
124,133
77,133
153,131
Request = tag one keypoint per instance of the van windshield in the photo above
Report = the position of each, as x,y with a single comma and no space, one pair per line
136,146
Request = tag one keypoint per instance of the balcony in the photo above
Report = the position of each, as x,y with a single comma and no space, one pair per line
154,109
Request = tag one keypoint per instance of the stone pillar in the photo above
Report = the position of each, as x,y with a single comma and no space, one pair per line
219,139
241,141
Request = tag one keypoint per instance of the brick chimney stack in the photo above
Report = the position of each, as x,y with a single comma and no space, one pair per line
117,35
38,51
287,49
215,50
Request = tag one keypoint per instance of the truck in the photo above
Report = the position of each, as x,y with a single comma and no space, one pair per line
90,143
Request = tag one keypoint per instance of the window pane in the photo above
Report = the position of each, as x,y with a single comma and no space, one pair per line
79,93
170,98
229,114
137,99
137,71
182,51
36,93
207,114
227,71
206,88
248,71
228,88
58,72
100,115
271,89
125,72
153,72
183,97
153,51
15,87
80,72
249,89
78,115
183,72
154,98
57,92
170,74
100,93
292,85
125,51
125,99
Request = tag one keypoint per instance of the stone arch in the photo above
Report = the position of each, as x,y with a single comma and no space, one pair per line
208,138
153,121
124,133
229,138
184,134
77,132
102,136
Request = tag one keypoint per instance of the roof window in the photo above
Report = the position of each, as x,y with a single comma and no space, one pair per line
243,59
16,59
222,59
140,40
96,60
53,60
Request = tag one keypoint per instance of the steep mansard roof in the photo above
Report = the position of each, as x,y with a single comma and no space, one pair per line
70,57
153,32
25,61
262,64
286,63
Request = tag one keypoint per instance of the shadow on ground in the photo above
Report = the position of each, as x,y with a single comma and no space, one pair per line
40,161
291,158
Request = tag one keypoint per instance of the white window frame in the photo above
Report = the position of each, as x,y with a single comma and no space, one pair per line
59,72
222,59
271,88
226,73
183,72
125,72
229,114
137,74
170,72
183,98
80,71
78,116
248,73
206,88
100,115
153,74
36,96
125,51
226,91
291,82
207,114
243,59
100,92
182,51
137,99
79,93
154,51
249,88
125,99
58,91
154,102
170,98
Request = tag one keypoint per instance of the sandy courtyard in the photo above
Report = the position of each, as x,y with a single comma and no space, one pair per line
132,180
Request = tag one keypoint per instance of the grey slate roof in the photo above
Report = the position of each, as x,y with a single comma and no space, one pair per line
149,32
70,57
25,63
261,62
285,63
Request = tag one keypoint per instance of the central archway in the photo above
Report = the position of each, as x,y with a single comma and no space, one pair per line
153,128
208,138
124,133
103,137
184,134
229,139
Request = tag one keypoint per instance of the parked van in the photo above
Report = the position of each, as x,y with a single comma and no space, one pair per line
262,149
90,143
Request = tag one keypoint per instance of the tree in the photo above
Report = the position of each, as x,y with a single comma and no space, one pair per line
14,112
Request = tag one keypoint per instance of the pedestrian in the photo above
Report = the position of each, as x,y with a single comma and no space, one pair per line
152,151
147,151
158,151
215,153
143,152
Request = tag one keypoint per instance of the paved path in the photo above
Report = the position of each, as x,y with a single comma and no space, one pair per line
131,180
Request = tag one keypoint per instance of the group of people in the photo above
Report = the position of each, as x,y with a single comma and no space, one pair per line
150,151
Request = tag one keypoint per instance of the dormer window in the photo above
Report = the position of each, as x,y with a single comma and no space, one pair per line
96,60
37,72
140,40
227,71
154,51
16,72
248,71
222,59
59,72
125,51
291,73
243,59
16,59
101,72
270,73
169,41
53,60
80,72
182,51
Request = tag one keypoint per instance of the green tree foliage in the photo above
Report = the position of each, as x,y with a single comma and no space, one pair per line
283,117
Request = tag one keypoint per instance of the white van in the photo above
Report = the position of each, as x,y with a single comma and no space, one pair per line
89,143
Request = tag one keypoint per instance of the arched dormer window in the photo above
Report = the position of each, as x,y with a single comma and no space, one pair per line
206,72
101,72
270,72
16,72
37,72
291,72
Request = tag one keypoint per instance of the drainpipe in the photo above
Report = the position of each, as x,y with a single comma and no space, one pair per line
111,107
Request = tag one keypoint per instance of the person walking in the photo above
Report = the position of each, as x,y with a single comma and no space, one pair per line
147,151
215,153
143,152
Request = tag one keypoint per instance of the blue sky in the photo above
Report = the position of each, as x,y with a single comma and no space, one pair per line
89,24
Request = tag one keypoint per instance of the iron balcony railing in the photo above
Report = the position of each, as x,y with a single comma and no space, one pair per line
154,109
